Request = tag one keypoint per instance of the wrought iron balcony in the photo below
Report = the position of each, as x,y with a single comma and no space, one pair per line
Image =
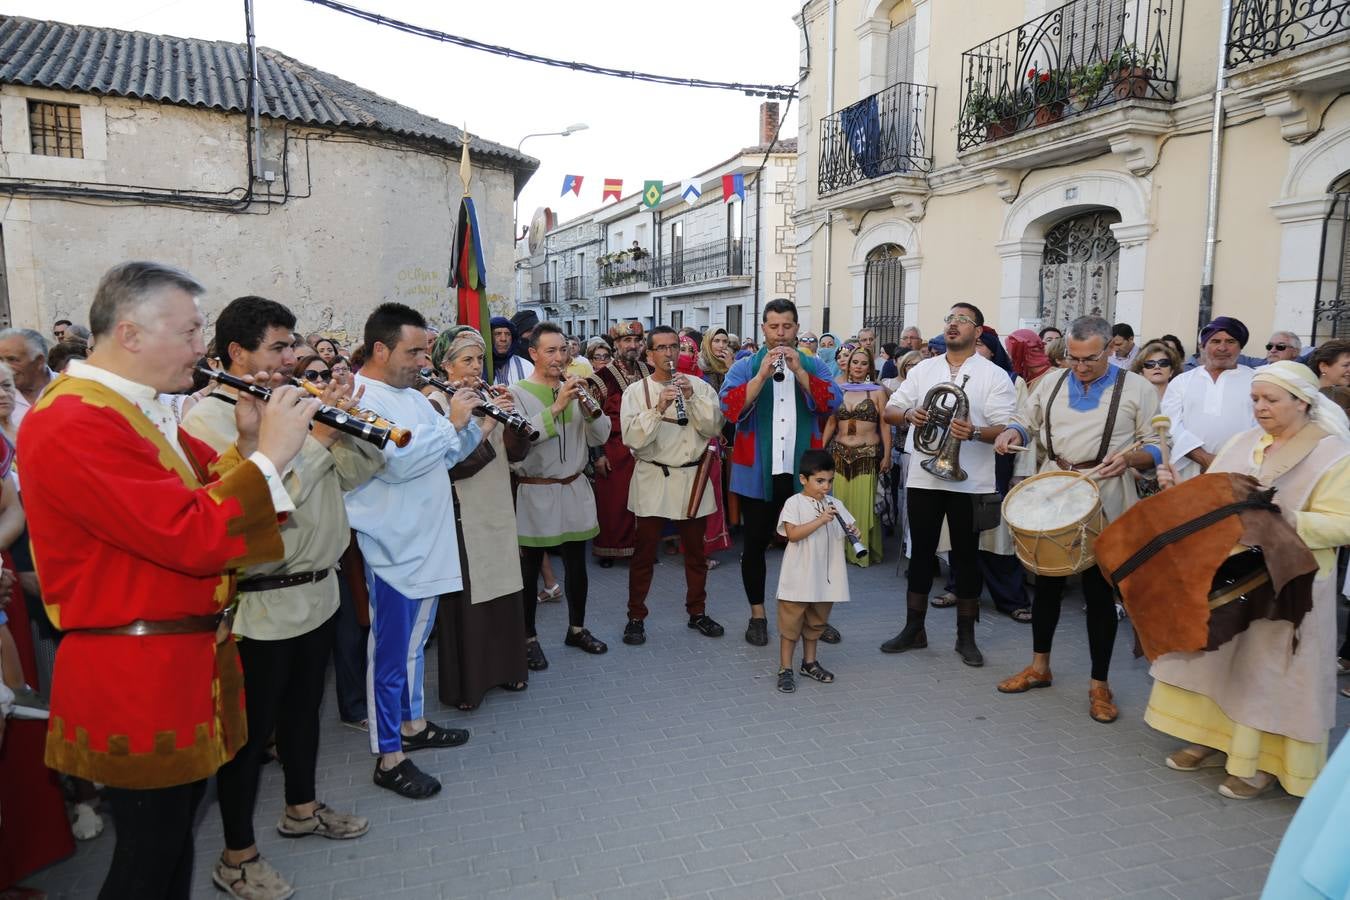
626,270
1081,57
546,292
887,133
705,262
1260,29
573,288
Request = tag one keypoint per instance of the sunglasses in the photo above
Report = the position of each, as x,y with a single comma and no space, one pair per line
808,340
1280,347
316,375
1155,364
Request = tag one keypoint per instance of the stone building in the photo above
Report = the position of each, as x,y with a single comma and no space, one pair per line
705,263
122,145
1045,159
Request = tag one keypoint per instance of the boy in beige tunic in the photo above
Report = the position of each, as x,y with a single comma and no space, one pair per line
1097,416
668,456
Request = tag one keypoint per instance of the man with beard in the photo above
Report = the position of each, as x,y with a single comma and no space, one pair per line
1212,402
770,439
929,499
508,364
614,468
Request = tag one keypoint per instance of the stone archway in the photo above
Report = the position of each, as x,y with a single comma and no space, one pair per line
900,233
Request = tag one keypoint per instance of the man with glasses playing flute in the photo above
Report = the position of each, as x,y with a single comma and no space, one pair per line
670,474
286,610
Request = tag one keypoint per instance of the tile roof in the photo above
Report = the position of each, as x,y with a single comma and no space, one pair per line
210,75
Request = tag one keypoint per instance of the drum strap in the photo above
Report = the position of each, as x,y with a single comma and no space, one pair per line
1258,500
1117,390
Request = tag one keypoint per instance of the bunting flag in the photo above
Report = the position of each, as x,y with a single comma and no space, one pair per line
691,191
571,183
733,186
613,188
651,194
467,277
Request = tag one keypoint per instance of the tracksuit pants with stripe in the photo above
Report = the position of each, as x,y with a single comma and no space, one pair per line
399,629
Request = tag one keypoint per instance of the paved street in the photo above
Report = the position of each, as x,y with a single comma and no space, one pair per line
676,770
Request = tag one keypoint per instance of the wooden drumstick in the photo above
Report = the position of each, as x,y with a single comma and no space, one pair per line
1092,471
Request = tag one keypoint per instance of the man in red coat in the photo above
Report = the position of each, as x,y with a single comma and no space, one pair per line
614,468
136,529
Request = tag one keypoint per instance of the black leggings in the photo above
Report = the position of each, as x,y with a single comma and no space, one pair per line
1102,623
760,520
926,509
575,581
152,858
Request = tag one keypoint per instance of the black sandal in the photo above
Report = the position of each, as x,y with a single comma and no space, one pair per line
831,635
406,780
514,687
535,660
816,672
584,640
1022,615
434,736
786,683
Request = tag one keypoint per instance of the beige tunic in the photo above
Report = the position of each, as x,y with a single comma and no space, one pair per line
813,569
1257,679
488,525
551,514
1078,434
999,540
655,438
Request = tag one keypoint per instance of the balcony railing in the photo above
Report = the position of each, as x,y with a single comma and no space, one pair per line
705,262
546,292
573,288
1260,29
626,271
1081,57
887,133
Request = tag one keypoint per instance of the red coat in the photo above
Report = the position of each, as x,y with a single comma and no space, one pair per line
124,529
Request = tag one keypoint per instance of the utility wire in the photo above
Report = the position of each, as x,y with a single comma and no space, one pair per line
775,91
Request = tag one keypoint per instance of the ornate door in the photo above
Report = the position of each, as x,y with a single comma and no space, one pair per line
1078,269
884,293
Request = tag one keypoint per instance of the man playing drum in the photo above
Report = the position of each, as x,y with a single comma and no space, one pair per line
1092,417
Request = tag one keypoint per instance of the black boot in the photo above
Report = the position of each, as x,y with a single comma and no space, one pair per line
913,637
967,614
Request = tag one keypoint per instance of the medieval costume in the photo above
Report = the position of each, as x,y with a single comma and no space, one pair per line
718,534
144,699
857,468
617,535
1205,410
514,364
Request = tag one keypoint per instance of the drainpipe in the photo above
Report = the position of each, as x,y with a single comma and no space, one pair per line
829,105
254,89
760,232
1215,159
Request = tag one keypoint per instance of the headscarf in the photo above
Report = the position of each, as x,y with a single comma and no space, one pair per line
937,345
828,356
1027,352
451,342
999,356
707,362
687,362
1299,380
1228,324
499,360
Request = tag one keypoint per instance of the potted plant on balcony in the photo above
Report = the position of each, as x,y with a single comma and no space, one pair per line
1132,68
1086,83
996,113
1047,92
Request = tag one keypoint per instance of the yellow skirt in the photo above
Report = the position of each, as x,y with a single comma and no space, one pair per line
1197,719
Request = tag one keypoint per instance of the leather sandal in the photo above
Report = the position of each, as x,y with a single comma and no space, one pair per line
406,780
584,640
1026,680
1193,759
434,736
1100,705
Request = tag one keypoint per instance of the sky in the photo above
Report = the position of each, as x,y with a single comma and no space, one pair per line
636,131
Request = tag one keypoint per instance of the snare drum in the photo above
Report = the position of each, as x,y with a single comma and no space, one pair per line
1054,519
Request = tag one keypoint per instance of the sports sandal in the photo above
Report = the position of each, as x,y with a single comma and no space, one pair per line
706,626
434,736
831,635
786,683
252,879
325,822
535,660
815,671
584,640
406,780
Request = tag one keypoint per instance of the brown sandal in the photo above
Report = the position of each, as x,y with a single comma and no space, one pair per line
1025,680
1100,705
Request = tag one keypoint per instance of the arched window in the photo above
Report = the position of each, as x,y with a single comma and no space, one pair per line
1331,312
1078,269
884,293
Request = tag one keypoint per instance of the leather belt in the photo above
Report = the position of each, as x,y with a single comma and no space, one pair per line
521,479
151,627
274,582
1076,467
666,467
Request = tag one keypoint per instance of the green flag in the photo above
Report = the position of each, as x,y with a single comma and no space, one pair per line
651,193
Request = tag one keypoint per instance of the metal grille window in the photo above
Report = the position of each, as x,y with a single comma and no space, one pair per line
1331,312
54,129
884,293
1078,269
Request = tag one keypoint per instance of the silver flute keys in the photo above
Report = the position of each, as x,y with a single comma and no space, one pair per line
681,411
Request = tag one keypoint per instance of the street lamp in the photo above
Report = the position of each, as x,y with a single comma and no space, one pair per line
515,205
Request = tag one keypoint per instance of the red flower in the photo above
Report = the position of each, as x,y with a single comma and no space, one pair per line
1031,73
1045,76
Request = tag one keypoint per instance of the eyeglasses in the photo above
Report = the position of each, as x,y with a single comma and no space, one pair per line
600,356
958,319
316,375
1083,360
1155,364
1280,347
666,348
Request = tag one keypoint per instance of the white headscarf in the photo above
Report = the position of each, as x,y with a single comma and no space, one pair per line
1298,379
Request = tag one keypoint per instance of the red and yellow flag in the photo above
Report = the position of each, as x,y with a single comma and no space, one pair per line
613,188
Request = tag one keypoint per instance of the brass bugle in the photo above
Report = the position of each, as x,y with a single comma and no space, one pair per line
328,415
513,420
400,436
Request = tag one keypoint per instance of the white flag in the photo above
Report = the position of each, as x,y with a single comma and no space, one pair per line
691,191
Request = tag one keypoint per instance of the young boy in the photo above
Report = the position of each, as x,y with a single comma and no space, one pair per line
813,577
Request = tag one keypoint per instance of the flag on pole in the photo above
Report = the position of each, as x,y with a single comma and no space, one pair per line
467,277
691,191
613,188
571,183
465,167
651,194
733,186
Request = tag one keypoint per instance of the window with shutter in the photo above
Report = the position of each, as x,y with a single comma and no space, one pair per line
900,53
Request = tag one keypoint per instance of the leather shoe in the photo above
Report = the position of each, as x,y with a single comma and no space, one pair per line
634,633
706,626
757,632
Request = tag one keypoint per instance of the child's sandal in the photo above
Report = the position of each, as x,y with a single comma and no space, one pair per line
786,683
816,671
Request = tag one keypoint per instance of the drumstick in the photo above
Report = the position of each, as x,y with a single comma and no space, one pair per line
1092,471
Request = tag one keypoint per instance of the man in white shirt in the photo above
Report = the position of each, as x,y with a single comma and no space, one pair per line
929,499
25,350
1212,402
1123,347
405,526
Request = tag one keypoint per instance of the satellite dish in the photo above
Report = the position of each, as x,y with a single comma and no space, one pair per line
541,223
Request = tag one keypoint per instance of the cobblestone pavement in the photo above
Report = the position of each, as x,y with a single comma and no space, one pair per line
676,770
